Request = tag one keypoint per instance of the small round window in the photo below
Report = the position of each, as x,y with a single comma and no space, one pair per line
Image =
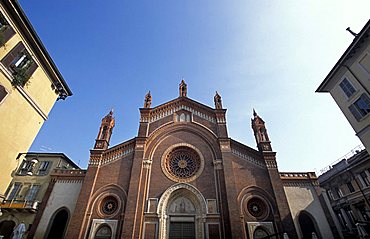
257,208
109,205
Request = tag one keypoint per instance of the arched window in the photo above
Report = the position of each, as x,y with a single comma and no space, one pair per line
260,232
58,224
104,232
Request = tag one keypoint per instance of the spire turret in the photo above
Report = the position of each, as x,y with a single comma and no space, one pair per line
183,89
105,131
260,133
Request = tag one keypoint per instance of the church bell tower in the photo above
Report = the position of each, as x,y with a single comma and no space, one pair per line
105,132
260,133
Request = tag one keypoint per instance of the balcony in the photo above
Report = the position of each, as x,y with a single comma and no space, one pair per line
19,206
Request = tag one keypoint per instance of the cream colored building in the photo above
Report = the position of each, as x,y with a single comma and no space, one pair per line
349,84
30,83
25,196
304,197
57,208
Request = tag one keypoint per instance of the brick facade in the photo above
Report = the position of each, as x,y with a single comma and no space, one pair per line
216,200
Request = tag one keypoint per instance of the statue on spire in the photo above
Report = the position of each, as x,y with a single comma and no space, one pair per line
148,100
218,101
183,88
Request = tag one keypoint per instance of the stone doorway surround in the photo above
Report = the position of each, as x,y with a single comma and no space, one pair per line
181,200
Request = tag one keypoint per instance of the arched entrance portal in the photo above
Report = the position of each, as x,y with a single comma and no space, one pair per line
181,209
307,225
6,228
58,225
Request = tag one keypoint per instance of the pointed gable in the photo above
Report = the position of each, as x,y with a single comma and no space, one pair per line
179,110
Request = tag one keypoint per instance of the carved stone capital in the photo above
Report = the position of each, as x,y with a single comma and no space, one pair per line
147,163
217,164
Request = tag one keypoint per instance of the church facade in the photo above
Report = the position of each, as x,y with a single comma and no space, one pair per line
182,176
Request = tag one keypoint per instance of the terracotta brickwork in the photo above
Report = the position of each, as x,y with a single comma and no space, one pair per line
217,197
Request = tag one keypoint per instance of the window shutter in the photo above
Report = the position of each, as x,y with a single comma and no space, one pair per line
3,92
12,55
8,33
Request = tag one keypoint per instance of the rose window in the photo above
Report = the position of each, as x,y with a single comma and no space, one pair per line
256,207
109,205
182,162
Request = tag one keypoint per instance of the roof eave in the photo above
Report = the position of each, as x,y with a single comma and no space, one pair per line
343,58
24,25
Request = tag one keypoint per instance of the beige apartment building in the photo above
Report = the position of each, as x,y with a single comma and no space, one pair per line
30,83
349,84
25,196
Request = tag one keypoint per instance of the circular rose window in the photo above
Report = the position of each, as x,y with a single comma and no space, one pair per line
257,208
109,205
182,164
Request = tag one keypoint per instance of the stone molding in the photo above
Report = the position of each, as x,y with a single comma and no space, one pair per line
111,158
185,190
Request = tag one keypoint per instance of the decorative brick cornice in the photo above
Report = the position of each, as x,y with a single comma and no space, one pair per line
299,178
248,158
112,154
271,163
117,155
68,175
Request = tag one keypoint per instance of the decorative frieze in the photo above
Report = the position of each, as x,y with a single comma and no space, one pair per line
248,158
112,157
166,111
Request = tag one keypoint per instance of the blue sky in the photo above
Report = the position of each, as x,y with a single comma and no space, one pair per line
267,55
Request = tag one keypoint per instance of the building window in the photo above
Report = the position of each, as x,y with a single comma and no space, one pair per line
339,192
361,107
341,220
3,93
347,87
109,205
43,167
20,64
6,31
26,168
15,190
350,187
365,178
31,193
330,193
365,63
351,217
